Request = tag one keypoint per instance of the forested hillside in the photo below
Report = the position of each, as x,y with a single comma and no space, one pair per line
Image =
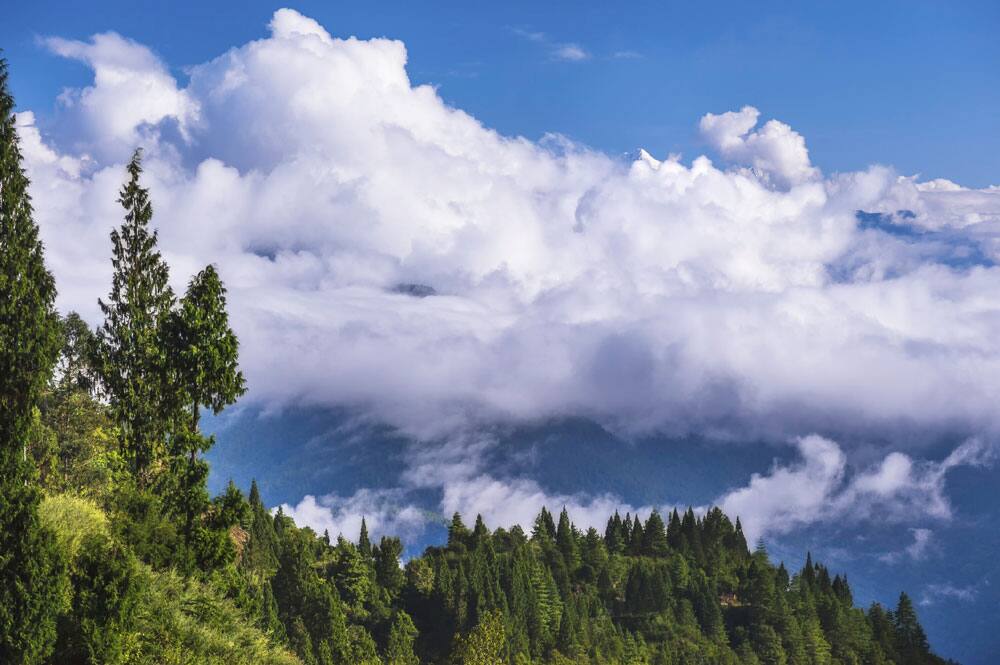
112,550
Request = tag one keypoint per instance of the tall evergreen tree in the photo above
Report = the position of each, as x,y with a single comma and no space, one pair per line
202,370
655,536
567,543
132,356
399,650
635,541
388,574
32,574
458,533
262,549
204,351
911,641
613,538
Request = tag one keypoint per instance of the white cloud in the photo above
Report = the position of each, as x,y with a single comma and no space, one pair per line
570,52
132,93
383,511
734,299
505,502
820,488
935,592
775,151
916,551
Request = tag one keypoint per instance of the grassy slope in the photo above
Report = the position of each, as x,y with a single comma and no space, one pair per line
178,621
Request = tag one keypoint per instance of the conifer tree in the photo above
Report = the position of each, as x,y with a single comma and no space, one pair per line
402,635
566,541
29,325
594,554
613,538
545,526
483,644
480,533
627,532
388,574
204,351
655,536
32,574
132,356
351,574
635,541
911,641
364,543
674,537
458,533
202,370
262,549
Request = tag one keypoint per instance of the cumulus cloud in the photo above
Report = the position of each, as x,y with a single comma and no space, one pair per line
740,297
133,91
820,488
775,150
383,511
458,471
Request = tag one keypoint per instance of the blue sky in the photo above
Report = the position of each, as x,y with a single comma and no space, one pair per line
458,285
914,84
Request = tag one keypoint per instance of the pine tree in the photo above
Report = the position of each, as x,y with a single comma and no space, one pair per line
132,355
482,646
32,574
262,549
351,574
627,533
911,641
399,650
594,554
674,537
204,351
364,544
388,574
480,534
613,538
545,526
635,541
655,536
29,325
458,533
202,357
566,541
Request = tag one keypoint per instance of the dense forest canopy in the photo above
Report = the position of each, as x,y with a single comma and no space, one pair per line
112,550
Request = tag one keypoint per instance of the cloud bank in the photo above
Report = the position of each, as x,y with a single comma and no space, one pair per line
745,297
820,489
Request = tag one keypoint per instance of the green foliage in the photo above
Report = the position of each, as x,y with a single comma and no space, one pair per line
399,650
132,358
483,644
105,597
203,349
32,573
183,621
32,578
73,519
